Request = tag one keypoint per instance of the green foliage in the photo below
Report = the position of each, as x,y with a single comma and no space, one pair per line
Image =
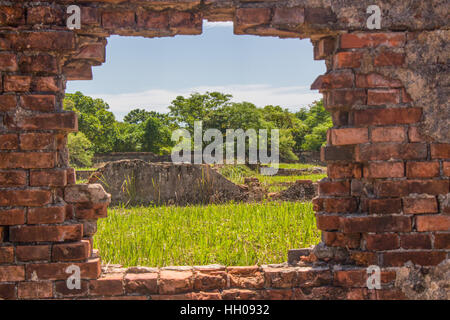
144,130
94,120
312,134
80,150
253,234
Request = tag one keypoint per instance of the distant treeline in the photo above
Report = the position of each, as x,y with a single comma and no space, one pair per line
150,131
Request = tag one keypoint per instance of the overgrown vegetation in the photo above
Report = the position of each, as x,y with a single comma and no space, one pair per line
231,234
143,130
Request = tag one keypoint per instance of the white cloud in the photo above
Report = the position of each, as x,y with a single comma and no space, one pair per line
291,97
219,24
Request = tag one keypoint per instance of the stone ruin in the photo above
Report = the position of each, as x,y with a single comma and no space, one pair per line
385,201
136,182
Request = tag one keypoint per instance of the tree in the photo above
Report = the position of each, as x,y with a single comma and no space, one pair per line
137,116
196,107
94,120
157,137
80,150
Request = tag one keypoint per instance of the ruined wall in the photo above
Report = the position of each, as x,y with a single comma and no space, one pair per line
386,201
135,182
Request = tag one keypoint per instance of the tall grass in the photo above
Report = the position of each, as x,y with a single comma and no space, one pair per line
230,234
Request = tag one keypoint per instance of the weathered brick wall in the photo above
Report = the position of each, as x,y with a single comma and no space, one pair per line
386,201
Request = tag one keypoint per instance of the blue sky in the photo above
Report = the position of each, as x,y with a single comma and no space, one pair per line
150,73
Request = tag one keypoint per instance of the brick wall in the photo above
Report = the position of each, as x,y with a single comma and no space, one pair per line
386,199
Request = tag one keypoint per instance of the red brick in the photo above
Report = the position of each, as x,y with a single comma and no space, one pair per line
415,241
7,291
65,121
250,17
246,277
358,277
13,178
446,168
327,222
44,15
343,171
334,188
71,251
415,135
345,98
210,278
380,242
384,170
389,151
51,178
376,224
90,16
388,134
7,102
110,285
11,16
173,282
387,116
385,206
57,271
9,141
185,22
8,62
11,217
339,239
375,80
91,213
389,58
423,204
324,47
43,41
43,103
440,151
16,83
63,291
29,160
35,290
92,51
340,205
347,60
54,233
337,80
30,198
39,63
12,273
405,187
337,153
422,169
45,84
37,141
6,255
158,20
365,40
423,258
141,283
433,223
118,19
349,136
33,253
292,16
55,214
381,97
442,240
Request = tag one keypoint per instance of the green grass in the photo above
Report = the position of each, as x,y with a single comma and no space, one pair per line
238,173
298,166
230,234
